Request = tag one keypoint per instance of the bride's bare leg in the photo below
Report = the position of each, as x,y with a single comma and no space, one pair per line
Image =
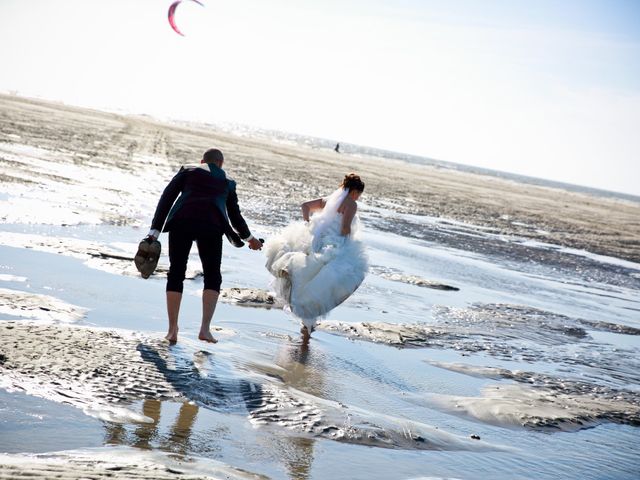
306,335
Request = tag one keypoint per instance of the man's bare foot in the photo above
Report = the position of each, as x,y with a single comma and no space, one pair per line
207,337
172,336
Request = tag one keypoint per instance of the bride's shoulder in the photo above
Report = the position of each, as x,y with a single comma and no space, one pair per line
349,205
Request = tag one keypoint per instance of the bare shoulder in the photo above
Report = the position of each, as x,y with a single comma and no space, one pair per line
349,205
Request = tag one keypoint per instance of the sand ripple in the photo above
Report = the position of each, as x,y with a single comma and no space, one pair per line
597,377
503,330
102,371
38,307
249,297
511,332
115,463
95,370
540,401
309,415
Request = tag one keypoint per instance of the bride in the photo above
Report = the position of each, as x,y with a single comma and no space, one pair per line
319,263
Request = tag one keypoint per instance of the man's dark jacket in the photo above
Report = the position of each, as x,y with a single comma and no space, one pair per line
208,202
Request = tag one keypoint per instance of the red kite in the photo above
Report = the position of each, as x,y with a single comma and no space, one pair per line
172,11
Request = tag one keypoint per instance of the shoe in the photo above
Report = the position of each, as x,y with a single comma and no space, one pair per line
147,256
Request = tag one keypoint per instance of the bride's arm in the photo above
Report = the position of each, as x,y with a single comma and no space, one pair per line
311,206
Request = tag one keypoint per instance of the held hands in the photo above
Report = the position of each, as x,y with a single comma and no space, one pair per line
255,244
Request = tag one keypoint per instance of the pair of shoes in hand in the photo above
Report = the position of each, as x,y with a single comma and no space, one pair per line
146,259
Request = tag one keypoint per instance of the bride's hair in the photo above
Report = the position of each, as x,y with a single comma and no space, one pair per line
352,182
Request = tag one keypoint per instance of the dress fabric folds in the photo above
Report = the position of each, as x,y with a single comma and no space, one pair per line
315,267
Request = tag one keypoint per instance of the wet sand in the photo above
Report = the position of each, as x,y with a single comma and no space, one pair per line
100,371
277,178
115,463
473,319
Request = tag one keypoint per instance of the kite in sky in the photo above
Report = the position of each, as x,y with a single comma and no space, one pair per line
172,12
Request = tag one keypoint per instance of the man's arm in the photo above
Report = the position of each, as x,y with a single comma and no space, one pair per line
169,195
235,217
238,222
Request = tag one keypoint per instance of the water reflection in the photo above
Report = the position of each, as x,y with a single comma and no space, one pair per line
180,435
302,371
146,432
115,434
303,368
298,367
148,435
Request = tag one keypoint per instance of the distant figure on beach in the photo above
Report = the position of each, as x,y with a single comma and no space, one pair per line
207,203
319,263
337,147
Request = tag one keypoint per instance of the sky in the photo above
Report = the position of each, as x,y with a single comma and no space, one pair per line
546,88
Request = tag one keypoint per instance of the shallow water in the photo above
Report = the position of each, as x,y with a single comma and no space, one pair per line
352,405
466,353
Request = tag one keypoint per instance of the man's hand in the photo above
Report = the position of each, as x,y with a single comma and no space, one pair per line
152,235
255,244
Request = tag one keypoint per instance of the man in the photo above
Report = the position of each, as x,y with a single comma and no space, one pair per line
207,203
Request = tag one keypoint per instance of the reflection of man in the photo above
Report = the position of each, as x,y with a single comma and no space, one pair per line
146,432
206,209
182,428
143,435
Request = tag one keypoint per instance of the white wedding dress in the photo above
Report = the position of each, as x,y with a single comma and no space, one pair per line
315,267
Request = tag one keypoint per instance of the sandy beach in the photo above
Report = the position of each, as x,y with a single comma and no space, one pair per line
272,174
495,336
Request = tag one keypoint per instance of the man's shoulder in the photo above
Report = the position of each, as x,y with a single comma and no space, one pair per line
216,175
204,170
194,167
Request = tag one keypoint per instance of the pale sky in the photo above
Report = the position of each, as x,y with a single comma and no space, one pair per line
547,88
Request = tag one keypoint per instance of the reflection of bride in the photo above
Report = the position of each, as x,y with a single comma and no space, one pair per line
319,264
305,372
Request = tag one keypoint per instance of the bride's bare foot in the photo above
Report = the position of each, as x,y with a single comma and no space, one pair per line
283,273
172,336
306,336
207,337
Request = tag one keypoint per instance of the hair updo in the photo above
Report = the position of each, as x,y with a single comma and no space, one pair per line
352,182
